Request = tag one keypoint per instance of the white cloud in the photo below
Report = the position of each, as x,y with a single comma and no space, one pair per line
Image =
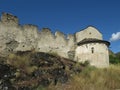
115,36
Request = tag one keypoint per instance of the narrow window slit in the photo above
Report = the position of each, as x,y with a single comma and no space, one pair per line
92,49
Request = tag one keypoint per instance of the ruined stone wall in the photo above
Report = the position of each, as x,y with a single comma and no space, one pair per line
9,19
14,37
57,44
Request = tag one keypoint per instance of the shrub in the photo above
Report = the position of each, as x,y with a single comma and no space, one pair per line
93,79
53,53
40,88
23,63
114,59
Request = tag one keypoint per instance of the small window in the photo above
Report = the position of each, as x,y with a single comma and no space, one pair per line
8,18
92,50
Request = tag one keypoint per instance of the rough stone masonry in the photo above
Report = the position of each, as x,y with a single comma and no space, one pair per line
15,37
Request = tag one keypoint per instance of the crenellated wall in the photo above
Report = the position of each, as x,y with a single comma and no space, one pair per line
28,37
9,19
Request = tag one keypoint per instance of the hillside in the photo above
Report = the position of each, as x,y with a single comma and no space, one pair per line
114,58
42,71
118,54
29,70
114,54
92,78
111,53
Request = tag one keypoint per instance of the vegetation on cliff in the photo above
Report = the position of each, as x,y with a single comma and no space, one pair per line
114,58
92,78
41,71
30,70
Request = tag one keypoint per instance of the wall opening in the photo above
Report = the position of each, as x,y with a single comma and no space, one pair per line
92,50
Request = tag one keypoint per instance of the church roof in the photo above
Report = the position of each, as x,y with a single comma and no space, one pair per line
92,40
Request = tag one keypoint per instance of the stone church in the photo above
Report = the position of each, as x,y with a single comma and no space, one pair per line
91,47
85,45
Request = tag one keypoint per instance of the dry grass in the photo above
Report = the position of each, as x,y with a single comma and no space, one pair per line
93,79
22,63
90,78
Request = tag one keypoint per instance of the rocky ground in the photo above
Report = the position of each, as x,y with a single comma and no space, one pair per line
28,70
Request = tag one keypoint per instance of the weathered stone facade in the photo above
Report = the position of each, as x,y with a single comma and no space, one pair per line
93,50
15,37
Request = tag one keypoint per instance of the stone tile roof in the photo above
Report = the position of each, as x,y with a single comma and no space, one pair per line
92,40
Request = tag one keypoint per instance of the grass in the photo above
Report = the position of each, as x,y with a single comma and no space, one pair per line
21,62
93,79
90,78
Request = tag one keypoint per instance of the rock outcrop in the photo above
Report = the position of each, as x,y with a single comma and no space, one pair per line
29,70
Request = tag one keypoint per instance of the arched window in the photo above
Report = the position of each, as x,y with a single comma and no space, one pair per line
92,50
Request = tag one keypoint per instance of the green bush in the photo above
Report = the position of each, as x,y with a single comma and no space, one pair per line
114,59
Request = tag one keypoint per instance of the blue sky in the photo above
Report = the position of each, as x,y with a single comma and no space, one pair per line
69,16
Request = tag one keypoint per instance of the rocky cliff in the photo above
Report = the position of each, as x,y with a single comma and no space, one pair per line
28,70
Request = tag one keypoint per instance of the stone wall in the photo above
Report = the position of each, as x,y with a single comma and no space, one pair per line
89,32
58,43
97,57
9,19
15,37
